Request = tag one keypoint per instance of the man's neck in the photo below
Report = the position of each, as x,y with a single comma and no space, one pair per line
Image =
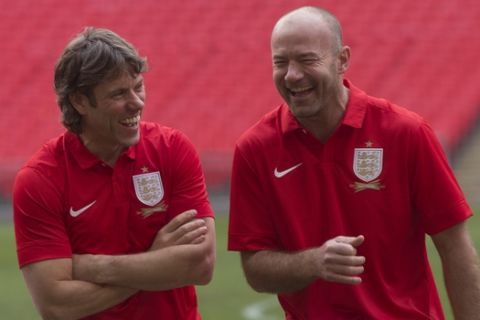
108,154
324,125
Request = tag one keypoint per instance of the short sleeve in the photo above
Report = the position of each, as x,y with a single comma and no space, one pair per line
250,226
188,185
436,193
39,225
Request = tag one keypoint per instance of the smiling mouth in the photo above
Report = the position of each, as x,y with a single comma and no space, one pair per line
131,122
299,91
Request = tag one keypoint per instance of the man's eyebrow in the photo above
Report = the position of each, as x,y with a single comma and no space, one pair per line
309,55
114,91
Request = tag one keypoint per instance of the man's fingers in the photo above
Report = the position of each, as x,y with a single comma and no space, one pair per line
347,245
346,274
189,227
345,260
348,270
343,279
358,240
185,228
340,261
180,220
344,249
354,241
198,240
192,236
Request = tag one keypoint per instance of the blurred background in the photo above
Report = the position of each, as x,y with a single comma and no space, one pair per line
210,76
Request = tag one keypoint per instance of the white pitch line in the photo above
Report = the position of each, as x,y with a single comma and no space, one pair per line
256,311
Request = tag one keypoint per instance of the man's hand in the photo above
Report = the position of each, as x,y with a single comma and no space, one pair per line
338,261
183,229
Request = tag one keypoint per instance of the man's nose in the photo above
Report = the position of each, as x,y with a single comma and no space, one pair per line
136,100
294,72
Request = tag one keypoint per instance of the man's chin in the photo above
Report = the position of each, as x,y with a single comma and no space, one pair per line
131,141
301,111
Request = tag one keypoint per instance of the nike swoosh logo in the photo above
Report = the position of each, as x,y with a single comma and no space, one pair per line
76,213
280,174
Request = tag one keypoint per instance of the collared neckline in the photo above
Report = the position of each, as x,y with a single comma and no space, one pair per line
356,106
84,158
354,111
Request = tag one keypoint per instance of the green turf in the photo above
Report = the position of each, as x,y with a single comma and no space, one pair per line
226,297
15,303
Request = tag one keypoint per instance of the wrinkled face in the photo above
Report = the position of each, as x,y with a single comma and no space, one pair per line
306,66
114,120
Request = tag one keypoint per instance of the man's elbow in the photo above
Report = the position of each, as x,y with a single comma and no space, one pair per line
253,275
51,308
53,312
204,267
256,284
261,281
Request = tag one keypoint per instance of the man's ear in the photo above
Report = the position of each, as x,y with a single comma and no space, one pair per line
80,102
343,59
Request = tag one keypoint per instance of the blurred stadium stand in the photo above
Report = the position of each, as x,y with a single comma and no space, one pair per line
210,70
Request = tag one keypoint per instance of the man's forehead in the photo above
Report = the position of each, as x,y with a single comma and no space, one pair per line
122,78
120,81
295,29
302,32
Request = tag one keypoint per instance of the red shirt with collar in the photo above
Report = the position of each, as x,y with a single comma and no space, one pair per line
382,174
68,201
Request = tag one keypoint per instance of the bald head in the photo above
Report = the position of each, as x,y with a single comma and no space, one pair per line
312,17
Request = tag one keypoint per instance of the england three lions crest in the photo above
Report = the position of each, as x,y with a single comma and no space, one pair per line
367,163
148,188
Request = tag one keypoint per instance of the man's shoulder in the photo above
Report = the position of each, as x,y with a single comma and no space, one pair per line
50,153
149,129
382,108
47,161
155,131
155,136
265,130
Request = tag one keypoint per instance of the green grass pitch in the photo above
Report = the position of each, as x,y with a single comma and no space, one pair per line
226,297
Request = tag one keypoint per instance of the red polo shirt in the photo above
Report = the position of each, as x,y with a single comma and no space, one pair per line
381,174
68,201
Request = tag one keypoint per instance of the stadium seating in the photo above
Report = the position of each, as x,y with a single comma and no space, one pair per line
210,70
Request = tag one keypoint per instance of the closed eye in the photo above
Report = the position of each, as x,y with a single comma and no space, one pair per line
279,63
117,94
139,87
309,61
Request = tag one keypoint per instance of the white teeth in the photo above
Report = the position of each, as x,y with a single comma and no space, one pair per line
131,121
299,90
